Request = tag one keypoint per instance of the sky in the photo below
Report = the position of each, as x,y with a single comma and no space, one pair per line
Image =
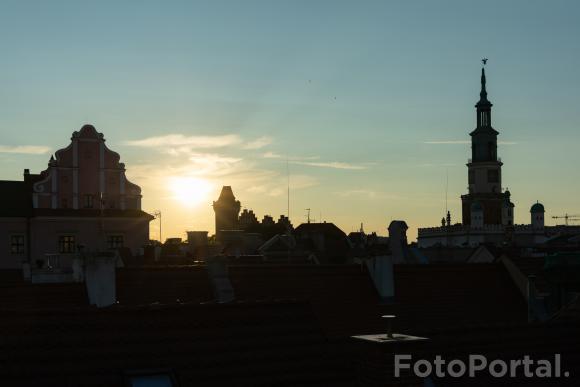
366,105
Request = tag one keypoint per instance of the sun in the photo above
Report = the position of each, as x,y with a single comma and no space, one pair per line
190,191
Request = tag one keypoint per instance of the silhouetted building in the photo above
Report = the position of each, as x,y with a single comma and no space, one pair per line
83,200
487,212
325,241
485,200
248,219
226,210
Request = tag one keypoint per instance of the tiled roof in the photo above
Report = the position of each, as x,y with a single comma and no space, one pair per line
15,293
532,266
146,285
426,296
205,345
512,342
505,342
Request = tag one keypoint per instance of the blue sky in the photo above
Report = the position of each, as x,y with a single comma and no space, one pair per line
196,95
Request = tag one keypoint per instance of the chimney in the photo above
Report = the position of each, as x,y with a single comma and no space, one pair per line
381,271
100,279
219,277
376,357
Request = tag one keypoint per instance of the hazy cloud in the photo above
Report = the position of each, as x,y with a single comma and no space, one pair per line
331,164
430,165
446,142
258,143
279,185
367,194
24,149
213,164
454,142
272,155
358,193
179,141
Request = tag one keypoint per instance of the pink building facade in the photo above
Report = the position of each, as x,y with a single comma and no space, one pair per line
81,202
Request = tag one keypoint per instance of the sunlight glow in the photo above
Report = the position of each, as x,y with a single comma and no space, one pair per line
190,191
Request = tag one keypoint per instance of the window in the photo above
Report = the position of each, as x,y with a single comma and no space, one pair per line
66,244
88,201
492,176
115,241
17,244
471,177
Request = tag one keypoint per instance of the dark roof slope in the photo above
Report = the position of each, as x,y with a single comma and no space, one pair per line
205,345
426,296
146,285
16,200
15,293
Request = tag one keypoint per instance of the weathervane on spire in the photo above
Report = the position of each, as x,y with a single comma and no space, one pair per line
484,61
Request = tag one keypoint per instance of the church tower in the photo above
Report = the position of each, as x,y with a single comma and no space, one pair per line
226,210
484,167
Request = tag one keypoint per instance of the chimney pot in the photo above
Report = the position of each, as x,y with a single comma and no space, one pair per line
389,318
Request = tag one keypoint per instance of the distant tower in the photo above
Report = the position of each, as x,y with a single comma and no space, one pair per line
537,213
226,210
507,210
484,167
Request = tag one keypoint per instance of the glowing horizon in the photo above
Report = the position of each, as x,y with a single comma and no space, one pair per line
369,105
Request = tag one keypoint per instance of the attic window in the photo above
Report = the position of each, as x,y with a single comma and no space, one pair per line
151,378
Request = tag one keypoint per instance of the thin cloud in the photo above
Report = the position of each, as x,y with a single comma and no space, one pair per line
331,164
213,164
272,155
258,143
358,193
277,187
184,142
447,142
24,149
455,142
429,165
366,194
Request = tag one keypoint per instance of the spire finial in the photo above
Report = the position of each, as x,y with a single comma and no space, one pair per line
483,93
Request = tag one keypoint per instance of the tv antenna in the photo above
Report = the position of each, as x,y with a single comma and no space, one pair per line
567,218
308,216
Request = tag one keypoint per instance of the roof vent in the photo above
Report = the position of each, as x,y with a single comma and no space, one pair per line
389,318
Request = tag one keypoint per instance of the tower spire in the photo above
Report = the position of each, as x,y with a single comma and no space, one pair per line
483,92
483,101
483,105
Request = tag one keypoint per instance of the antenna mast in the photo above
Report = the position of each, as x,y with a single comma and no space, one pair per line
446,188
288,193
